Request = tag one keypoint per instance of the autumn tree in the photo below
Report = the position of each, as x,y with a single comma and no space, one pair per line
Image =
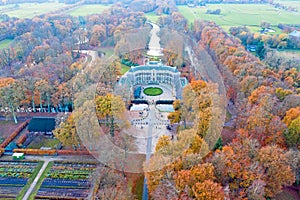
208,190
277,172
175,117
292,135
162,142
6,81
234,165
291,114
66,132
111,108
30,84
11,97
44,90
196,105
111,185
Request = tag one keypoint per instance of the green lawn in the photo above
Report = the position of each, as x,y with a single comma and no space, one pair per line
29,10
151,16
42,141
249,15
88,10
5,43
124,68
290,53
153,91
108,51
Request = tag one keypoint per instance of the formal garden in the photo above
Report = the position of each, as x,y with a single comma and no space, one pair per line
63,179
16,177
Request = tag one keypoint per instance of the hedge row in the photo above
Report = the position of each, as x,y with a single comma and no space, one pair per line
72,152
22,139
1,151
50,152
36,151
14,134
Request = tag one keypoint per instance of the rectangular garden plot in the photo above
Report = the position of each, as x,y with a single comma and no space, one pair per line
67,180
16,176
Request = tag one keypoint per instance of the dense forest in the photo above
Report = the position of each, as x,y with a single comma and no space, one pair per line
263,155
45,56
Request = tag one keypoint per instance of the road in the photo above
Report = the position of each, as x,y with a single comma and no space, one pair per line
151,121
154,50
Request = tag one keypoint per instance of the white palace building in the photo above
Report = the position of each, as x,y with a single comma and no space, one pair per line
155,73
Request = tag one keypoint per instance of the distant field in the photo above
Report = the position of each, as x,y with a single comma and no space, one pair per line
151,16
290,53
249,15
29,10
88,10
295,4
5,43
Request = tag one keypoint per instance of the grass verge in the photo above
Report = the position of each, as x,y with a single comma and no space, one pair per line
124,69
5,43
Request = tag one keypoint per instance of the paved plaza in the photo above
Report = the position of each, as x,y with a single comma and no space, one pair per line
139,129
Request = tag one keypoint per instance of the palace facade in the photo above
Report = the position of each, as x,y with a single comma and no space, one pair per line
155,73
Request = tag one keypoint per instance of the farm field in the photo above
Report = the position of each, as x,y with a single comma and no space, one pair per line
16,177
67,180
88,10
249,15
29,10
5,43
294,4
290,53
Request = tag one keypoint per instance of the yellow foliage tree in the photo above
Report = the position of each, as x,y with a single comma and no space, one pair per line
66,132
162,142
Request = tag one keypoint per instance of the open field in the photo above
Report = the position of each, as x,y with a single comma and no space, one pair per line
29,10
151,16
88,10
291,52
294,4
249,15
5,43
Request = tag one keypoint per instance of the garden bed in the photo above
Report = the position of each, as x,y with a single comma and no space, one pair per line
16,177
67,180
